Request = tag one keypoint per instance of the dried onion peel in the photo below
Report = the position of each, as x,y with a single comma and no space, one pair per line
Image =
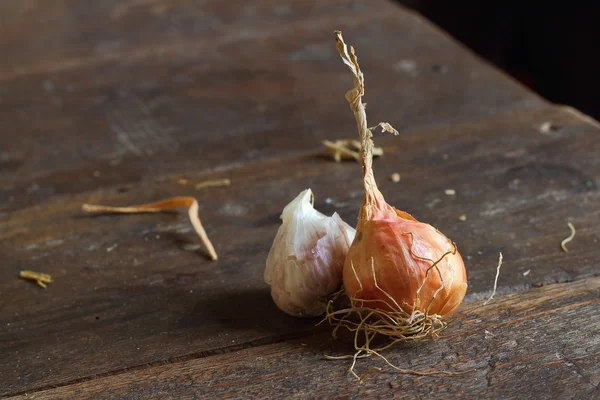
39,278
168,204
405,270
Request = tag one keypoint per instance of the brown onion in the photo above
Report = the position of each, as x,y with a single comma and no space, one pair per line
395,262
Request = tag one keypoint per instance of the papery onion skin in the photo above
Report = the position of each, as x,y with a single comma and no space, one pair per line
306,259
400,250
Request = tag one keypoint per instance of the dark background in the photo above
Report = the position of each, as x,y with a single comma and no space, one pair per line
552,48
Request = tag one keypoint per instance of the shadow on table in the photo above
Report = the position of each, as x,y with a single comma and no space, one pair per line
254,313
250,310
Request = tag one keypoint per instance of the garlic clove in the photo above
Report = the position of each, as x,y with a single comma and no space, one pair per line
307,257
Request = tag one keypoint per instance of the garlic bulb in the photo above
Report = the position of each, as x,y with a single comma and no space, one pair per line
306,260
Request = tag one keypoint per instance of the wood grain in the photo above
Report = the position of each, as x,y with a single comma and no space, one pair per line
258,95
155,297
542,344
123,99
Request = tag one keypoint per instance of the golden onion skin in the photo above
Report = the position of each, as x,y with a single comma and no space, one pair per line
400,250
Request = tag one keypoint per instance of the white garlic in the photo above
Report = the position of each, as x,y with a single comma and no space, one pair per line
306,260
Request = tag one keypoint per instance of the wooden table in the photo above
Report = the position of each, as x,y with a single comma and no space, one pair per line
114,102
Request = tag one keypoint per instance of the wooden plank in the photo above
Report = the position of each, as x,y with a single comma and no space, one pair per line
543,344
151,299
260,93
142,29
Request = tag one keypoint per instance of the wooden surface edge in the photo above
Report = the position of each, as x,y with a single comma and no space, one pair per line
513,339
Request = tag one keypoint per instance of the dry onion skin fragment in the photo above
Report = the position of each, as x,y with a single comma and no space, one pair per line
163,205
402,276
39,278
213,183
306,259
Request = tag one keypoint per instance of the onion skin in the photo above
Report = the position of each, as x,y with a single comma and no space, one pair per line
396,246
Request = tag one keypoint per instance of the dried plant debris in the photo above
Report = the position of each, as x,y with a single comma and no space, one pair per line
168,204
563,244
348,149
213,183
500,258
547,127
38,277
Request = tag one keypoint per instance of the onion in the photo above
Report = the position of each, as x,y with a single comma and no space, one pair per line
406,272
402,263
